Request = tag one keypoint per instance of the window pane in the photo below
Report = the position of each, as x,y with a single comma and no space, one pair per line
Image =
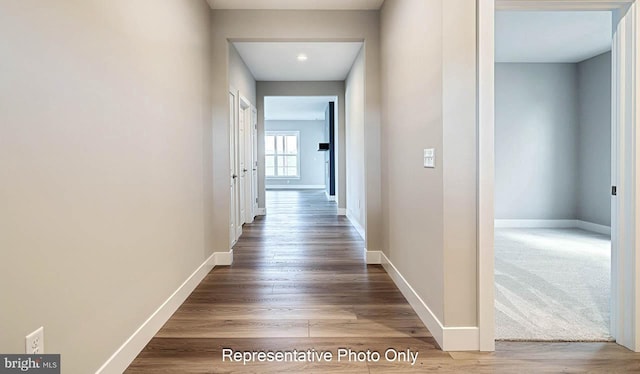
269,161
292,172
291,161
270,171
280,144
268,144
292,144
281,161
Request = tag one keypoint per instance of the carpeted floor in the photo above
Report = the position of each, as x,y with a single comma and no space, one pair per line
552,285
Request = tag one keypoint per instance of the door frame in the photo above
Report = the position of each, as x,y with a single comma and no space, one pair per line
233,166
625,260
244,109
254,161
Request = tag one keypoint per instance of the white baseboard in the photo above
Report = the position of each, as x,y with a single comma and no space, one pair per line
449,338
535,223
129,350
342,211
594,227
356,225
461,339
329,197
223,258
261,212
553,224
296,187
373,257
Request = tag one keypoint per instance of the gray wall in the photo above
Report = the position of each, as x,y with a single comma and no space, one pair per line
326,88
594,177
104,106
311,161
536,133
428,63
354,107
553,141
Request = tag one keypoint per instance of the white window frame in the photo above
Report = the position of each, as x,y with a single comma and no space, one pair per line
283,133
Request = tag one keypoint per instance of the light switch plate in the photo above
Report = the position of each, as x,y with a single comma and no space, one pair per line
429,158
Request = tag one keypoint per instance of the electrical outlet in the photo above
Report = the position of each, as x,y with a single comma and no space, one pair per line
34,342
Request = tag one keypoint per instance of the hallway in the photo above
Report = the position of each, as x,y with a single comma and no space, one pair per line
298,281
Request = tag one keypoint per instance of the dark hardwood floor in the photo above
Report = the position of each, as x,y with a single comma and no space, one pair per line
299,281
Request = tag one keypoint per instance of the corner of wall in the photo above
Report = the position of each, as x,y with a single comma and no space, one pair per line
448,338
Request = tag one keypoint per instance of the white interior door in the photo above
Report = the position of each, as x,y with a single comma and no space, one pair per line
232,168
242,169
625,267
236,175
247,169
254,161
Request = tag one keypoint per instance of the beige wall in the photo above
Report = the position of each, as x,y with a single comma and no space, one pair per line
325,88
428,101
103,106
240,76
293,25
354,131
459,158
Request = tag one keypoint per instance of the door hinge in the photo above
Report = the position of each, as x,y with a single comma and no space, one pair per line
614,191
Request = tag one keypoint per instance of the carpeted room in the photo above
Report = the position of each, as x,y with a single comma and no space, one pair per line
553,173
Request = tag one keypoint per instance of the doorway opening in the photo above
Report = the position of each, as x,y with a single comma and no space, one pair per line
310,107
624,268
300,148
552,176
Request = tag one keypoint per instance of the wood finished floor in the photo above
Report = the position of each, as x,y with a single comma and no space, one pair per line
299,281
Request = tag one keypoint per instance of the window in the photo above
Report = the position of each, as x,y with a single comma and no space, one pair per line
281,154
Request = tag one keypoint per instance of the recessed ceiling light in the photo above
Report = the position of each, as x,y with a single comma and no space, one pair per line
302,57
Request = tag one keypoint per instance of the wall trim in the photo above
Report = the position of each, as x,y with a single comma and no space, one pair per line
342,211
373,257
261,212
295,187
593,227
553,223
129,350
486,172
223,258
448,338
356,224
329,197
535,223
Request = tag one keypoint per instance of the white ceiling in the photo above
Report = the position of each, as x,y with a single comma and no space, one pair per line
551,36
278,61
297,4
287,108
